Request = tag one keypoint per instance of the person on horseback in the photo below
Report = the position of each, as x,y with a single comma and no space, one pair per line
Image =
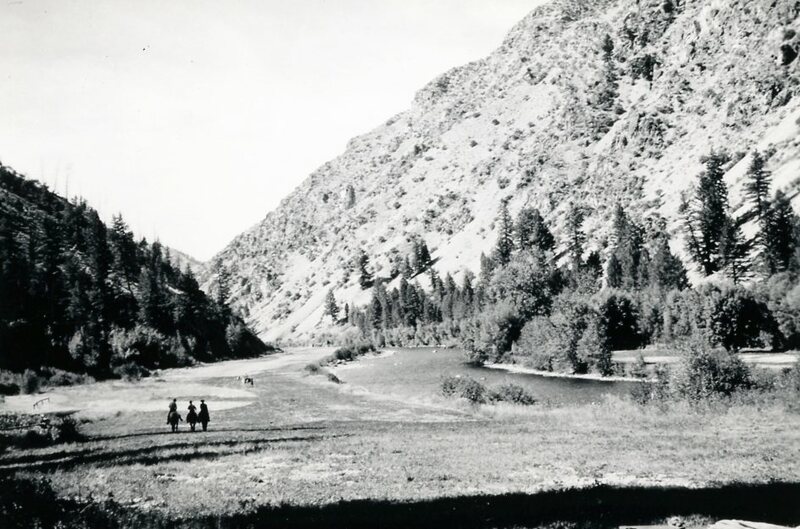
191,417
204,416
173,406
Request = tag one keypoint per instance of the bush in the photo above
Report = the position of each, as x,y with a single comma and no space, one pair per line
31,382
511,393
130,371
9,383
349,353
316,369
645,392
146,347
708,373
59,377
312,369
464,387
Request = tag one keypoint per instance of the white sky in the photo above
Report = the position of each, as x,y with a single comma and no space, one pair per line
194,118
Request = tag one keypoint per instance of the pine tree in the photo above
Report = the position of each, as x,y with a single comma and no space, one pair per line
487,269
628,242
706,215
757,186
613,272
365,279
331,308
422,256
223,284
780,241
667,270
734,251
532,232
576,238
505,236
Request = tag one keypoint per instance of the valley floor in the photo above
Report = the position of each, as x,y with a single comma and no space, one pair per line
297,439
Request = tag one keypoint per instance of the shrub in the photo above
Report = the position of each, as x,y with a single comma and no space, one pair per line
31,382
464,387
146,347
349,353
707,373
645,392
511,393
9,383
130,371
312,369
59,377
316,369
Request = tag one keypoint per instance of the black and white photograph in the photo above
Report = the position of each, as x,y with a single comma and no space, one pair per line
400,264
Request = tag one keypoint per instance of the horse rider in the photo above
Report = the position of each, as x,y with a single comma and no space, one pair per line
173,406
191,417
204,417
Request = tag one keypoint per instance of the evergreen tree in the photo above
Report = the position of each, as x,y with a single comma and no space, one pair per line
505,236
613,272
576,238
734,251
422,256
706,215
365,279
757,186
331,308
628,241
223,284
781,243
487,269
532,232
667,270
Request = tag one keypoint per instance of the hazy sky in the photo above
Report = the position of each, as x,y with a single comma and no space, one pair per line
194,118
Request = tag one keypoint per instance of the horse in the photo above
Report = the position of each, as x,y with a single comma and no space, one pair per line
191,418
174,418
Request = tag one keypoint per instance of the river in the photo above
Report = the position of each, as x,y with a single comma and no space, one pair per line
418,371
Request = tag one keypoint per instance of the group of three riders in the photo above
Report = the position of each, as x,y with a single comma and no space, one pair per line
192,417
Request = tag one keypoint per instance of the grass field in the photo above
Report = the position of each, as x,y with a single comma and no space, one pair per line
298,439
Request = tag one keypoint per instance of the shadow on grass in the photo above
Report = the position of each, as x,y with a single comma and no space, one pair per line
598,507
150,455
165,432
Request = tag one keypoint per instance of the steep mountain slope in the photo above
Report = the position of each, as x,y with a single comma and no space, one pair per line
558,115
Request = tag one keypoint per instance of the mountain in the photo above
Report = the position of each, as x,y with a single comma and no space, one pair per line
586,103
81,296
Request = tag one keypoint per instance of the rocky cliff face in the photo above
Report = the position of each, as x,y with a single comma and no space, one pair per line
558,115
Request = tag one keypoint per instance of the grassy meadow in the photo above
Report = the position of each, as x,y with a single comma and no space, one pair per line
302,440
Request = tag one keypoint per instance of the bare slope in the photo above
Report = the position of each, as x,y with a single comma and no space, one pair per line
534,122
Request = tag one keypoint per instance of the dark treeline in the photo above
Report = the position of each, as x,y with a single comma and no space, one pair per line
83,297
567,311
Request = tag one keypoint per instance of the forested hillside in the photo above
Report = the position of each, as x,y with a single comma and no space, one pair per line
81,296
587,105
